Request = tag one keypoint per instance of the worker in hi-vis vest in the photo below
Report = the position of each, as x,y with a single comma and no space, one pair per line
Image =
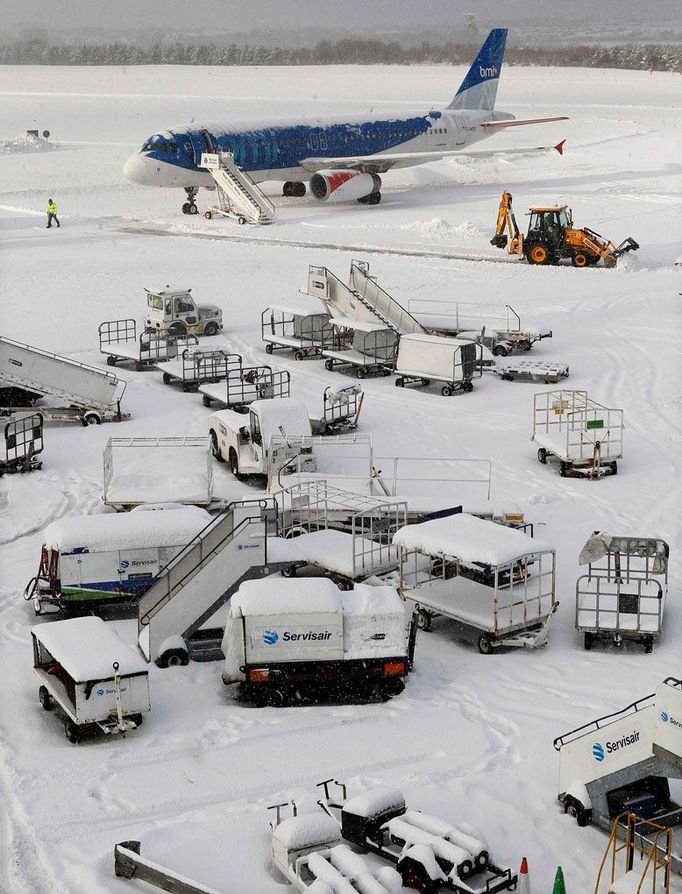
52,213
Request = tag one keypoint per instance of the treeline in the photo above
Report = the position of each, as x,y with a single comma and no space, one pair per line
650,57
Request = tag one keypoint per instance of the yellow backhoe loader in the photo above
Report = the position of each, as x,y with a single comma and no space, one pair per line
551,236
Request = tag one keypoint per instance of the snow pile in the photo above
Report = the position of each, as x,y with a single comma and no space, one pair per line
439,228
375,802
286,415
26,143
279,596
310,830
147,474
333,551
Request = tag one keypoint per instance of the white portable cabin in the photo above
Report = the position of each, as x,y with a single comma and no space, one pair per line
94,677
110,557
423,358
303,329
367,347
586,437
493,580
283,634
623,594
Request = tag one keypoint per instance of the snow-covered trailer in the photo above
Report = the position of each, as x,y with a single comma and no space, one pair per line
368,348
302,329
243,385
586,437
423,358
623,594
156,470
96,679
120,342
193,368
283,636
22,444
494,581
92,560
532,371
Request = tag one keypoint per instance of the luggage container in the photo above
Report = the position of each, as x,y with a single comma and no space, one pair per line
623,594
586,437
498,584
92,560
120,343
423,358
23,442
96,680
303,330
242,386
368,348
193,368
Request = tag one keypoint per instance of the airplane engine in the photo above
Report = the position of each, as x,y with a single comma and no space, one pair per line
343,186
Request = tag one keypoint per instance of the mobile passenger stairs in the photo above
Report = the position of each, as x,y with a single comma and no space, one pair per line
238,195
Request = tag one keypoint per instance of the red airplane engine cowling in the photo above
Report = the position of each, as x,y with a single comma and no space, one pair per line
343,186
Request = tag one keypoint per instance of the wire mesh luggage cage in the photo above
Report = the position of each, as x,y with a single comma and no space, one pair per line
368,348
341,410
585,436
244,385
194,367
623,595
23,441
119,341
300,330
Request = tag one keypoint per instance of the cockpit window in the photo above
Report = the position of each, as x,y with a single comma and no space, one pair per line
158,143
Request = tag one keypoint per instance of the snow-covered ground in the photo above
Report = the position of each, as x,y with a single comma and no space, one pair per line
471,737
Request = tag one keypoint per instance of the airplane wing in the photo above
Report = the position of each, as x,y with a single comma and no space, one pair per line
515,122
379,164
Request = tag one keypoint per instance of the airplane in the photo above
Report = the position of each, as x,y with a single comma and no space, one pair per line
341,159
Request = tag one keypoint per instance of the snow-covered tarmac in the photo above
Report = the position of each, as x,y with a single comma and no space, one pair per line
471,737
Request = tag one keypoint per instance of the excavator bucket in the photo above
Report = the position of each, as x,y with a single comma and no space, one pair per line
499,240
626,245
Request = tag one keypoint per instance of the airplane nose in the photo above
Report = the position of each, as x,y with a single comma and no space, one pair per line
137,169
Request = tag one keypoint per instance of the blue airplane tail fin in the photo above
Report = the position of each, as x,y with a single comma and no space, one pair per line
479,88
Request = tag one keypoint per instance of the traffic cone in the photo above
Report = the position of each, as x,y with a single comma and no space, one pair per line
524,878
559,885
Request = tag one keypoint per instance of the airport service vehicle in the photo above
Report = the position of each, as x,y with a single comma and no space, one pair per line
175,312
551,236
305,330
341,157
242,385
623,594
532,371
623,762
87,394
586,437
429,853
96,680
91,560
426,358
287,636
367,348
120,343
245,442
497,583
194,367
23,442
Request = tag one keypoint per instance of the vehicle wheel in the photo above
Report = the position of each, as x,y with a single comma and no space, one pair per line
208,215
588,640
576,810
206,400
446,390
538,254
289,571
426,382
500,351
215,449
167,379
361,373
111,361
45,699
211,329
613,467
299,355
525,345
288,188
542,456
279,698
648,645
137,719
72,732
391,687
173,658
185,208
269,349
91,418
468,387
564,469
241,220
400,382
177,329
423,619
579,259
193,208
466,869
139,366
234,465
485,644
386,371
329,364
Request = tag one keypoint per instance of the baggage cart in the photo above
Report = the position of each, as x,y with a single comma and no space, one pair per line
341,408
426,358
584,436
120,343
244,385
23,442
95,679
303,329
368,348
496,583
532,371
193,368
623,594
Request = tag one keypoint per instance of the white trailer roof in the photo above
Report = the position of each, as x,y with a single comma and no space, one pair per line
87,647
130,530
468,538
309,830
282,596
302,309
286,413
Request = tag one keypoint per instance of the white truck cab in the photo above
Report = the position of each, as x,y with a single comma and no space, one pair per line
245,440
175,312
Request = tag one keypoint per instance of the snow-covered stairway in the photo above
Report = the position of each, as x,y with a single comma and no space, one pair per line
238,193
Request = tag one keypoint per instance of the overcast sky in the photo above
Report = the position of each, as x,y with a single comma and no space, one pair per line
239,15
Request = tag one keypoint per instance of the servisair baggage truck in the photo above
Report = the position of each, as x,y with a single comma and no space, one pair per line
284,636
89,560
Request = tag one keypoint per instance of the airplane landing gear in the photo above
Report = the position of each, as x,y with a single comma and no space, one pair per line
294,188
190,207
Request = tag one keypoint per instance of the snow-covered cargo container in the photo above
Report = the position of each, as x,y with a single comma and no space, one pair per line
368,348
305,330
91,560
96,679
282,635
423,358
